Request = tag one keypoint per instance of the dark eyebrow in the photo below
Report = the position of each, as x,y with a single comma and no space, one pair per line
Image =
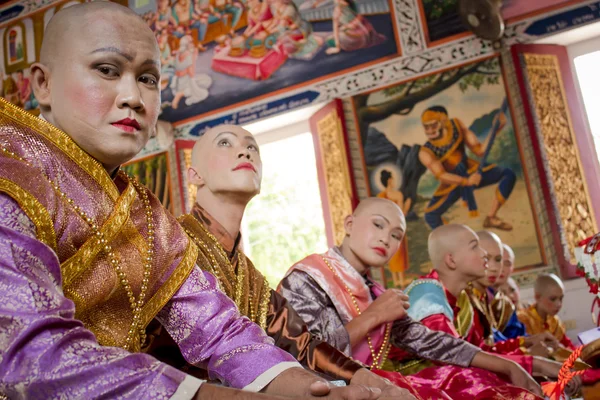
473,241
128,57
151,62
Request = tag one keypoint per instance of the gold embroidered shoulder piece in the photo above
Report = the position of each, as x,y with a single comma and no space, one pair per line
245,285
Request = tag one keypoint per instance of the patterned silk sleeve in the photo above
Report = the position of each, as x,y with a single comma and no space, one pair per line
416,338
45,353
211,334
316,309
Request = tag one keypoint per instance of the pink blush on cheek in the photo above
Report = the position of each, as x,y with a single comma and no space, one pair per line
220,162
91,101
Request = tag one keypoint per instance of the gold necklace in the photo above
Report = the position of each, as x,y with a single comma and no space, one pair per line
378,358
98,235
237,292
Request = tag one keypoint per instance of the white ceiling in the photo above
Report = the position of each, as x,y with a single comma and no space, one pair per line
573,36
282,120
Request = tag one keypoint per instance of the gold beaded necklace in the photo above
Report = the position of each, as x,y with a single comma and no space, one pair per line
237,292
99,237
378,358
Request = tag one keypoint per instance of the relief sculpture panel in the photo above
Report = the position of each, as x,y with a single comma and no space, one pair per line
562,155
335,167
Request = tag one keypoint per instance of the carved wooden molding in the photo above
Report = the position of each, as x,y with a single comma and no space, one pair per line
334,161
559,149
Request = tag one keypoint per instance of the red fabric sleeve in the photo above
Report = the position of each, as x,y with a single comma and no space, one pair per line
565,341
436,322
524,361
591,376
439,322
509,347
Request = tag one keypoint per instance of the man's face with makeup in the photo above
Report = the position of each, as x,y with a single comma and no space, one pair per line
228,161
376,232
104,85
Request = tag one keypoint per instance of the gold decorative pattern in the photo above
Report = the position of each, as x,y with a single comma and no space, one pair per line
563,158
502,310
101,300
82,260
464,319
378,357
190,189
61,140
34,210
171,286
248,289
335,169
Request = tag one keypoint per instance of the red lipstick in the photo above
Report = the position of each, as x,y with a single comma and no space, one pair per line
127,125
245,165
381,251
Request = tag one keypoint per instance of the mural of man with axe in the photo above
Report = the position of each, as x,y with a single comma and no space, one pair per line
444,154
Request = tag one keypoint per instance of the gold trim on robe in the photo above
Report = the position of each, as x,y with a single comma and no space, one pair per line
67,194
37,213
245,285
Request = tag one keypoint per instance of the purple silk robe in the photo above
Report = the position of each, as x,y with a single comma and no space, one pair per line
45,353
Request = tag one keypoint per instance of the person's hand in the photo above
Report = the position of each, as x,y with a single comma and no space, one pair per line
519,377
300,383
474,179
388,307
388,389
545,367
545,337
326,390
539,349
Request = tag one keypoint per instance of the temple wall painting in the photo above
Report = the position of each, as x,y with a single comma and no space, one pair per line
202,95
18,52
221,52
396,149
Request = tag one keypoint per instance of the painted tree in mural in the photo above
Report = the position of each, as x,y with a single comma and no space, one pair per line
401,100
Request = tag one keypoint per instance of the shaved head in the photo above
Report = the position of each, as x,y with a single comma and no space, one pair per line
489,237
201,146
226,166
549,292
492,244
68,23
456,255
373,203
374,233
446,239
511,289
99,65
546,281
508,263
509,251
